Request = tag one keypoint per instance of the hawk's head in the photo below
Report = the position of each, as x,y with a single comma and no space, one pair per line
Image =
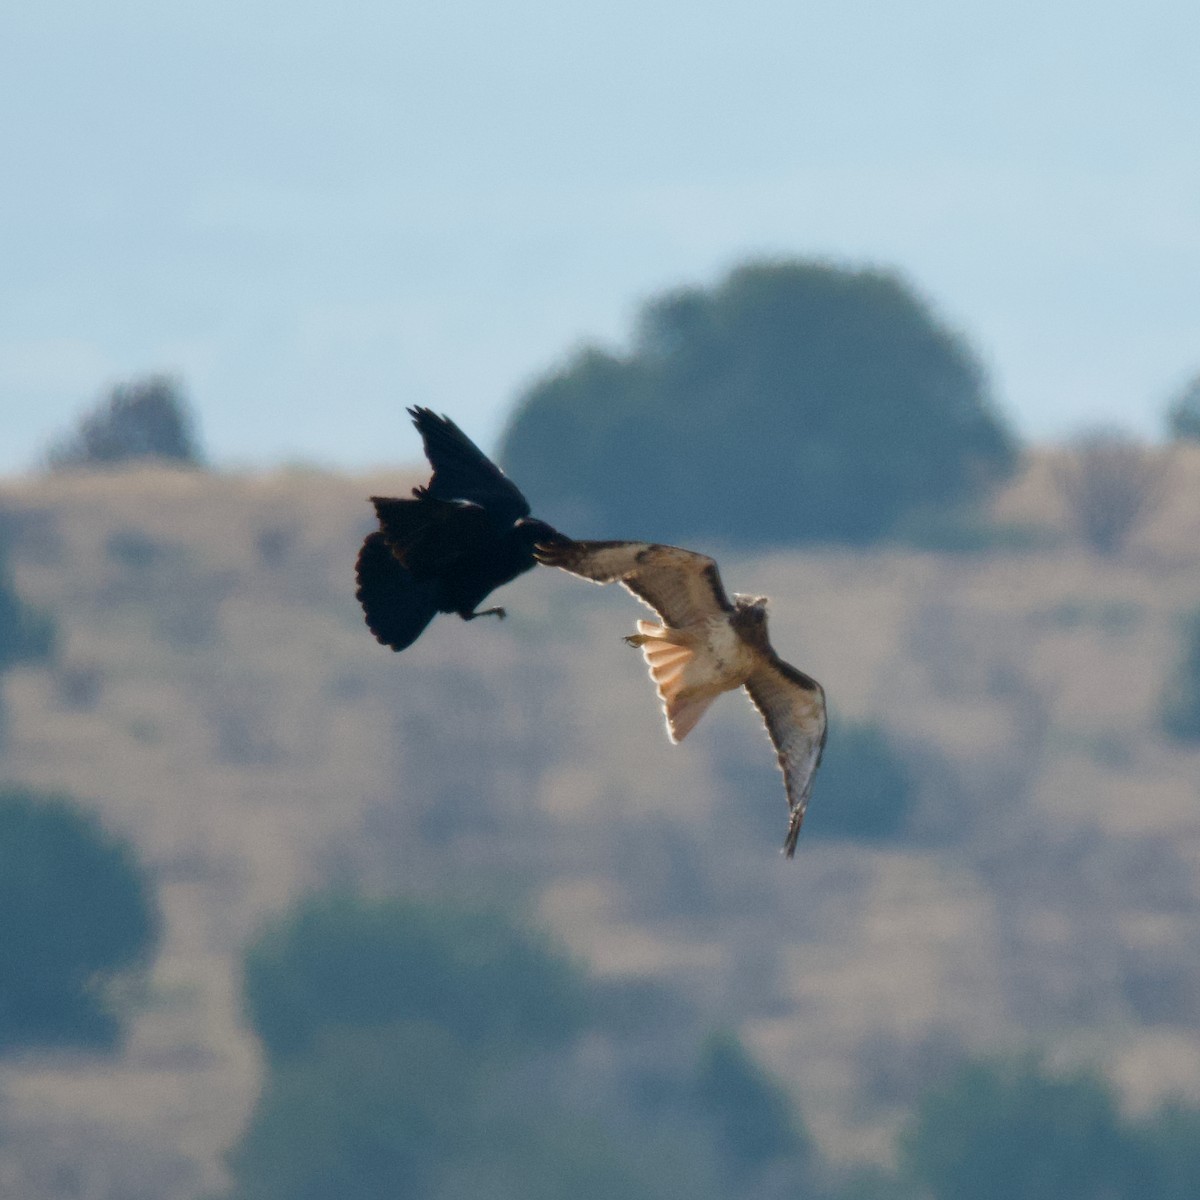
756,604
750,618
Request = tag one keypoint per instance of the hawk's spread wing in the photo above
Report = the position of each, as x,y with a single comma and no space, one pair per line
681,586
793,706
461,471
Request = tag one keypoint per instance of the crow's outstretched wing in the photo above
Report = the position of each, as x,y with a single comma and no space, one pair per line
430,536
461,471
793,706
681,586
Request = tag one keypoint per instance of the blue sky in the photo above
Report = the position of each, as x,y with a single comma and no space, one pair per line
316,214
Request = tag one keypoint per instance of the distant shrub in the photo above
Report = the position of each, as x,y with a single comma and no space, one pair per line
26,633
863,789
77,912
1181,701
145,418
1116,617
1111,486
362,1113
275,543
1012,1130
405,1110
1169,1141
78,685
1001,1130
429,1050
751,1117
133,549
1183,415
345,962
33,532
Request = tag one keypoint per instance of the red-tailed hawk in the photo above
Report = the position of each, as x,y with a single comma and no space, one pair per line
707,645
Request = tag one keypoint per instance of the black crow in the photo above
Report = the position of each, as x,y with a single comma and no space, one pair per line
461,536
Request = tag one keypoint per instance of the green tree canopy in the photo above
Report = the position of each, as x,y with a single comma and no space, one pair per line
794,402
434,1051
863,790
26,633
753,1118
866,789
1181,702
1012,1131
341,961
76,913
1170,1145
406,1111
143,419
1183,414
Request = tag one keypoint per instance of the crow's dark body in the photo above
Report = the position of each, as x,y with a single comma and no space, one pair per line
461,536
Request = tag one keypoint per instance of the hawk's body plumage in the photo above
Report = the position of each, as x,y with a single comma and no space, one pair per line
707,645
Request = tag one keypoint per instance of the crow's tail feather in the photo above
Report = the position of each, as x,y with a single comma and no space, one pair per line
396,606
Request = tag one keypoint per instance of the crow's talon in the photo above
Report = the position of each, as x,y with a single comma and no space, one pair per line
485,612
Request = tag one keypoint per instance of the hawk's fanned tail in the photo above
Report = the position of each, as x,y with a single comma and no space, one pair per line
683,712
669,660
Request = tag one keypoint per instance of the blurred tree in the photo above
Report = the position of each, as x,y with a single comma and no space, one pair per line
363,1114
1111,485
752,1117
863,789
429,1051
866,790
1011,1131
406,1110
26,633
794,402
145,418
1181,704
340,961
1183,415
77,913
874,1183
1170,1141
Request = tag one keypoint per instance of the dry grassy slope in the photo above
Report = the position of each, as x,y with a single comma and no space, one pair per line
255,742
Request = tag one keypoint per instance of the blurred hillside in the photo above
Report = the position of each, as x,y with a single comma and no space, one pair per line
217,698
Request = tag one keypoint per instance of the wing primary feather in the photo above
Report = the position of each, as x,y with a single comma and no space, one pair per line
795,717
461,471
683,587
